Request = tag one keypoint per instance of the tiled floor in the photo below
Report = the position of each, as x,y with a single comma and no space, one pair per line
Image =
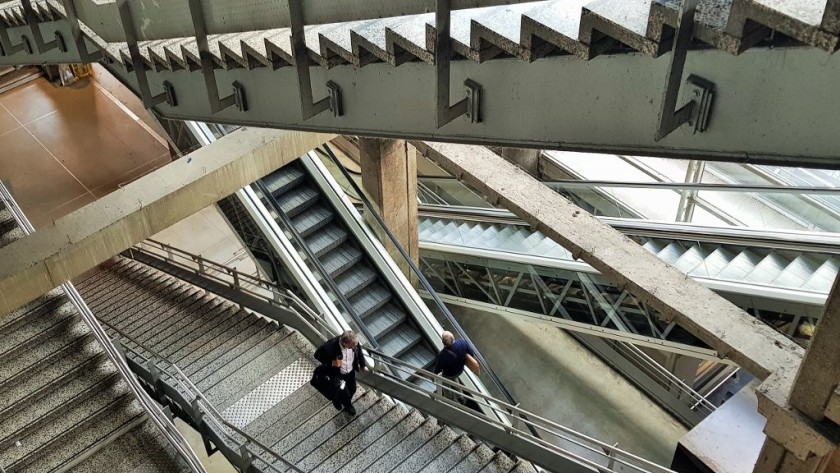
63,147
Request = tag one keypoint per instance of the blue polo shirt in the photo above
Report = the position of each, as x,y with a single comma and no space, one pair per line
450,361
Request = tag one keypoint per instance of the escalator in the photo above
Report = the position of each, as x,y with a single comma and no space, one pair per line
328,245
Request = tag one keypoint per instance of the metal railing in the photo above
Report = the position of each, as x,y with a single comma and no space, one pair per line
249,284
602,457
150,407
299,241
575,446
201,409
420,276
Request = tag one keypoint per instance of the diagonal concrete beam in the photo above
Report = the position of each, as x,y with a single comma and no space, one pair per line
78,242
725,327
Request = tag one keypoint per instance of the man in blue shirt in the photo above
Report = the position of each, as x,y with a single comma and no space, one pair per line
451,361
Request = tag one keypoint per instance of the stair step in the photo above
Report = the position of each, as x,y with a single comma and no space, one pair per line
351,282
478,460
369,299
182,318
385,428
363,459
42,305
311,452
457,452
288,419
140,450
10,236
428,452
297,200
39,330
204,337
210,314
236,358
740,266
326,239
341,259
217,347
500,464
315,218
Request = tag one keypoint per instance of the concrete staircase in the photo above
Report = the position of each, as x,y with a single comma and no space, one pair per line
256,374
63,404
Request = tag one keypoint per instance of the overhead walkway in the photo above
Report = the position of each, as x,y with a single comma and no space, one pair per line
255,66
64,405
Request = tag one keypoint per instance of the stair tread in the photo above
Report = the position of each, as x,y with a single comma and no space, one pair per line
410,425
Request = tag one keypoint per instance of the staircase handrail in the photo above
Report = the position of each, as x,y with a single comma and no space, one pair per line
188,386
610,453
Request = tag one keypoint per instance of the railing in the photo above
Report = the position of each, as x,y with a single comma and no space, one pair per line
202,409
585,450
682,391
249,284
152,409
420,276
316,263
602,457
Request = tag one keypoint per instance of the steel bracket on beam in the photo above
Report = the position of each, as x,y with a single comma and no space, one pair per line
149,100
308,107
35,28
6,46
85,55
217,104
701,92
471,104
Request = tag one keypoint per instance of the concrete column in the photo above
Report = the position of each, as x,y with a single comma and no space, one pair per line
389,176
819,373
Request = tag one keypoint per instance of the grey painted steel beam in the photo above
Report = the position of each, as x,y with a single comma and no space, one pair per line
80,241
722,325
609,104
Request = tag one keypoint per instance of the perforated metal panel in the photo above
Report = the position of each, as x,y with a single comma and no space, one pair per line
269,394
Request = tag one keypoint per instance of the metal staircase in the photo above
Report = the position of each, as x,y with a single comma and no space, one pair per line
256,372
311,222
63,404
268,65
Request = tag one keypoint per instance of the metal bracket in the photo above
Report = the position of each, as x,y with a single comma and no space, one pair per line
217,104
469,106
35,28
76,31
137,63
696,111
308,107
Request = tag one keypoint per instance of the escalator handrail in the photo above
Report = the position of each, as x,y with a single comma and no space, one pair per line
421,277
287,222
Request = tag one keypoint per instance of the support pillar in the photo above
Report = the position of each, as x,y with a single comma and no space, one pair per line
389,176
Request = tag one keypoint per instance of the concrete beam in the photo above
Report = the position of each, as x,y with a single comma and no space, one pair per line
819,374
726,328
85,238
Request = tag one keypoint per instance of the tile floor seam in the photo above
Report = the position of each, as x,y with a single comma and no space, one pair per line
128,112
49,152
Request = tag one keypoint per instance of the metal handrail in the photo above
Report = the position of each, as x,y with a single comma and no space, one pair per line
669,379
603,450
150,407
421,277
188,386
326,279
205,268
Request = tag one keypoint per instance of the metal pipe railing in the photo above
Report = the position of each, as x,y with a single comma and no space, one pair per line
152,409
421,277
189,387
230,277
598,449
314,261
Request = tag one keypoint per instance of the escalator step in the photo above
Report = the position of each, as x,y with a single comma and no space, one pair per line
283,180
370,298
297,200
341,259
384,320
317,217
399,340
326,239
352,282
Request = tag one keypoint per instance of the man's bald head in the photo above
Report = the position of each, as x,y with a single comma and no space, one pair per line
447,338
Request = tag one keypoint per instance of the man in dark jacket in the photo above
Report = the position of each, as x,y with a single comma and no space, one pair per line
342,357
451,361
